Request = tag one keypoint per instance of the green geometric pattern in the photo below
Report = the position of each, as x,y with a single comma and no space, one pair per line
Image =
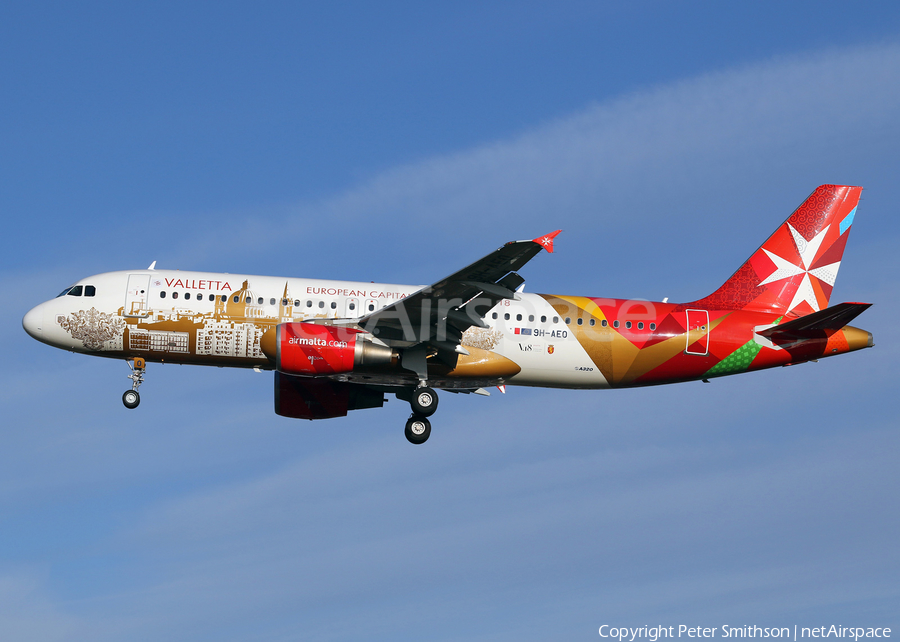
737,361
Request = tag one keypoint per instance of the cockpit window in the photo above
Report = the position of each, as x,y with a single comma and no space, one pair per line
64,292
90,290
75,291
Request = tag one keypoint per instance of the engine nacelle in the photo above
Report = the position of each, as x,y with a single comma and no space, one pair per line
312,349
309,398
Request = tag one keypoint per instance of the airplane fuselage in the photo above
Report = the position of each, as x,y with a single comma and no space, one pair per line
534,340
337,346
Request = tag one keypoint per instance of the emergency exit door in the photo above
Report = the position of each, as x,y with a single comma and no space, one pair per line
697,332
137,295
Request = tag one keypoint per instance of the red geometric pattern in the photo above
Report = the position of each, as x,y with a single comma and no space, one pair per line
811,217
793,272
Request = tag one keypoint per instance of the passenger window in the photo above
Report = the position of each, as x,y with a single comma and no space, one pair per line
174,295
236,299
592,322
371,307
616,323
162,294
543,319
640,325
321,304
212,297
334,305
309,304
506,316
259,301
494,315
653,326
272,301
297,304
76,291
628,324
555,319
603,322
580,321
224,298
352,306
90,290
568,320
518,317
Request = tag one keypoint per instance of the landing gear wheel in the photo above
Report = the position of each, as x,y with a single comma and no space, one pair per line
131,399
418,429
424,401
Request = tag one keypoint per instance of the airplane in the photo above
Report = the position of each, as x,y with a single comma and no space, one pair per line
337,346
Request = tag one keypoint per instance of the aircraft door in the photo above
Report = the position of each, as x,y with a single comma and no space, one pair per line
352,309
697,332
137,295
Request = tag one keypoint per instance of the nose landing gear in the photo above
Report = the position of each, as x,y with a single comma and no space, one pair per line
131,398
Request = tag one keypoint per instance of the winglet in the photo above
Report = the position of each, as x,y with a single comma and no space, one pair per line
546,241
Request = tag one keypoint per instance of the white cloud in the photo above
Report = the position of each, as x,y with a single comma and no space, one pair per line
737,524
714,162
634,152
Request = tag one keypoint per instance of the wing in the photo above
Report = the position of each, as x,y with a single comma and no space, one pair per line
436,316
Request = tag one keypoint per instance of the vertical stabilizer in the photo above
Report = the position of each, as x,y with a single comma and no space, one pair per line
794,271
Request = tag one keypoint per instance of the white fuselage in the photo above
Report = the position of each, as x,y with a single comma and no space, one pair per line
217,319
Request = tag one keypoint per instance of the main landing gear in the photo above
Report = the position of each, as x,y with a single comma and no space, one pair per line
418,429
131,398
423,402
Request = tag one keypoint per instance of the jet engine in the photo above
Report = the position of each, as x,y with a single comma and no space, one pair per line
308,398
312,349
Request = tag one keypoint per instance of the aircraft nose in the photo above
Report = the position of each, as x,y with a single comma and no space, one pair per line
33,322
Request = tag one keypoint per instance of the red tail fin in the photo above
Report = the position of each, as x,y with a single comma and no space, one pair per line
795,269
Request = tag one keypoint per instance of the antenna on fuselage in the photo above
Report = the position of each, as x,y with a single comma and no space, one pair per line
152,266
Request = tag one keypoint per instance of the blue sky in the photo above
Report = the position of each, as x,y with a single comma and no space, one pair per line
396,142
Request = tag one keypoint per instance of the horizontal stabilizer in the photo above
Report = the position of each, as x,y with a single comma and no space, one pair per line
833,318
